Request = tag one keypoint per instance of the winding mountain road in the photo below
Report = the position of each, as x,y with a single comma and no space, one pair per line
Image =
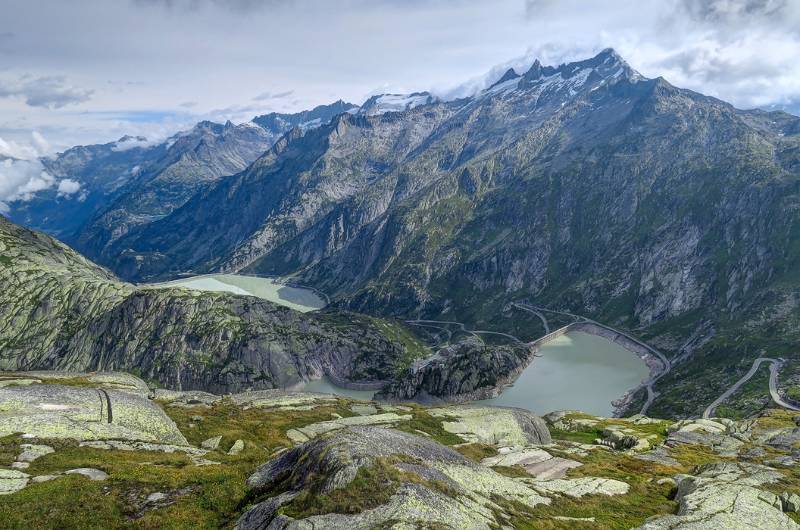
537,313
775,365
473,332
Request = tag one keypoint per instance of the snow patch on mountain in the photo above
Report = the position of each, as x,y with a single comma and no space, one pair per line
396,102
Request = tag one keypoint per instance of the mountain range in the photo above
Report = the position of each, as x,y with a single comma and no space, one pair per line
583,188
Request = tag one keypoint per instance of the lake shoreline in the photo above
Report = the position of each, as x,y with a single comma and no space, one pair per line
277,290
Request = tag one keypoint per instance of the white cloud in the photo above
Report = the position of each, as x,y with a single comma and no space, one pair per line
36,147
20,180
67,187
22,174
52,92
129,142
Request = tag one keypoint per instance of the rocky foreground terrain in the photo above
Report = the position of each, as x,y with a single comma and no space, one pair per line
101,450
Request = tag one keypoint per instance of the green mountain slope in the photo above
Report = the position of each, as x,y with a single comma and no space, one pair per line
60,311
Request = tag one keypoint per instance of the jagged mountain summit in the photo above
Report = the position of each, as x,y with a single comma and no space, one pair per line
383,103
280,123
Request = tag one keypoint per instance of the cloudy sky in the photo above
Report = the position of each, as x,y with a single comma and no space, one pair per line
85,71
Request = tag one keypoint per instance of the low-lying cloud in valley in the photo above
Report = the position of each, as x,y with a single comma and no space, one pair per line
22,174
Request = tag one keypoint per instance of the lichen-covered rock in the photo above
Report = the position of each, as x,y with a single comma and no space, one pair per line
494,425
724,496
82,413
12,480
331,462
211,443
31,452
659,455
724,436
538,462
119,445
88,472
236,448
790,502
303,434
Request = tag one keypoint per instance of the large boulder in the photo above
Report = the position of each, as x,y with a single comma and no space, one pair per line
494,425
447,490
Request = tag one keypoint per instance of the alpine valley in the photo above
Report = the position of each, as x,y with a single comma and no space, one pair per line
450,242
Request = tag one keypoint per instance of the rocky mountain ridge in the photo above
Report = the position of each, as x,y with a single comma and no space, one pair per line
60,311
583,187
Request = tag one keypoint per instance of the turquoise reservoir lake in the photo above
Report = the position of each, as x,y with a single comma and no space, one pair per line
575,371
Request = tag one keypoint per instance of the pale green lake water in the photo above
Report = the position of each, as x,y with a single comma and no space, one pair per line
297,298
575,371
325,386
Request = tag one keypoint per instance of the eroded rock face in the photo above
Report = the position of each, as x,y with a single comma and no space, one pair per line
465,371
84,413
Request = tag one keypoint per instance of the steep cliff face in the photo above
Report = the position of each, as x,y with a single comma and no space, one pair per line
60,311
465,371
